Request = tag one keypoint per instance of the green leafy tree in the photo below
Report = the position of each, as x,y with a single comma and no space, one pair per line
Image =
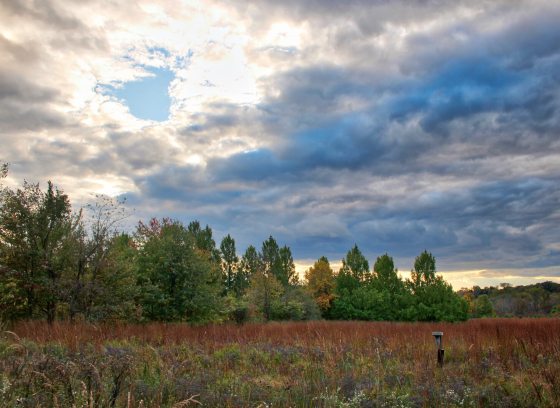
356,265
204,241
434,299
483,307
178,281
391,289
295,304
386,276
113,289
35,228
353,275
424,271
249,265
93,237
250,262
264,292
354,272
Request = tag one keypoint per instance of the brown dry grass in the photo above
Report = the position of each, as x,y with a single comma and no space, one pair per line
488,362
541,333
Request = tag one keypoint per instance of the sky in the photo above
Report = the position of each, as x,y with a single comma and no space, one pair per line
398,126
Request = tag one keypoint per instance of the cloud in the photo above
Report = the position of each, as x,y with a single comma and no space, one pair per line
397,125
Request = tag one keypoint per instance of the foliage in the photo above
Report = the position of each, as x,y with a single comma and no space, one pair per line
116,287
35,232
483,307
424,272
320,284
101,277
295,304
203,239
384,296
288,275
250,263
178,281
278,262
355,269
56,263
434,299
233,280
264,292
523,300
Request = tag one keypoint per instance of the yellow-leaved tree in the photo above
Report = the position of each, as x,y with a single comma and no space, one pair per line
320,283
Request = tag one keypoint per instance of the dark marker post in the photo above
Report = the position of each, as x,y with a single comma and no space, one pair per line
439,342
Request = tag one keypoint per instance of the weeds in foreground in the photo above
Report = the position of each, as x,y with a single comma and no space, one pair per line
493,362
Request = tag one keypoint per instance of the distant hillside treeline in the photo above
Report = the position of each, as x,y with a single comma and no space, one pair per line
56,263
506,300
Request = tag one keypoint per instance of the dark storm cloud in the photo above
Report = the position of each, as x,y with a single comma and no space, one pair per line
172,182
494,222
483,96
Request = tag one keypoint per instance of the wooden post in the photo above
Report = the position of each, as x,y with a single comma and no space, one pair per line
440,354
439,343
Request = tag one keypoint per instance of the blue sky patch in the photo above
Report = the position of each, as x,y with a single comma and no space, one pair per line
148,98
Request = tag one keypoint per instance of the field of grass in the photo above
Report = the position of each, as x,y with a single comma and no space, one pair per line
490,362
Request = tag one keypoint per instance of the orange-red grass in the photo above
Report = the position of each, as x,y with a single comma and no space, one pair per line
539,333
488,362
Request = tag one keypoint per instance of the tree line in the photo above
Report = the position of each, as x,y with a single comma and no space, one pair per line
56,263
506,300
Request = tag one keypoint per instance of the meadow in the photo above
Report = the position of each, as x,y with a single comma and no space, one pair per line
488,362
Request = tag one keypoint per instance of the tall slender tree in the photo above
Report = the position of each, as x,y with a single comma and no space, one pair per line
270,257
286,274
230,264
